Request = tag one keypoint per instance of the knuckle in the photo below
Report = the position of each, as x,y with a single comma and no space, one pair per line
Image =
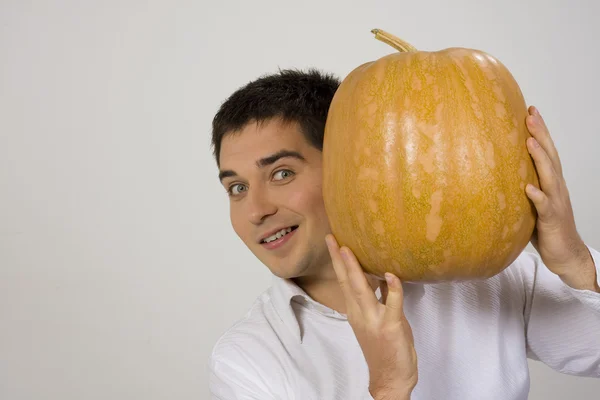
359,293
393,305
546,217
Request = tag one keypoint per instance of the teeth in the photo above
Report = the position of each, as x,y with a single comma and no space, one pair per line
278,235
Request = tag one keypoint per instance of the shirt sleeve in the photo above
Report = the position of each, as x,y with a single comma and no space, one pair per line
562,323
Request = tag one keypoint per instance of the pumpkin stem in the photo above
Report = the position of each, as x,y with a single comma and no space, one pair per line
393,41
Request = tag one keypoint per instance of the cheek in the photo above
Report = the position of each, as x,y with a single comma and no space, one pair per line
308,201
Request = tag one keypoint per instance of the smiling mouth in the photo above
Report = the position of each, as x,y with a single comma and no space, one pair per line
279,234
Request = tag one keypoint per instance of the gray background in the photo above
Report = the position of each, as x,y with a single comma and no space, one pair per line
118,265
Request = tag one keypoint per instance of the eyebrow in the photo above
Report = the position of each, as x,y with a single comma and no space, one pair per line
266,161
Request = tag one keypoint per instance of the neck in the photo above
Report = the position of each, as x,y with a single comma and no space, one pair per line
325,289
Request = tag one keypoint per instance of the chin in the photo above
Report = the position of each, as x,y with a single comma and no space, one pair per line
297,263
286,273
283,274
288,269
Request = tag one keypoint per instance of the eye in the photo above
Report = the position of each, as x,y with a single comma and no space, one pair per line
236,189
282,174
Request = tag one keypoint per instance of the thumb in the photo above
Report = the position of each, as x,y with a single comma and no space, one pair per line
395,298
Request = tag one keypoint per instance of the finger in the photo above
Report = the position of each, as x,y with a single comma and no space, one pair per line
395,299
538,129
539,199
549,179
339,267
362,291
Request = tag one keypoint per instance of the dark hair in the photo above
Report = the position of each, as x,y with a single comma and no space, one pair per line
292,95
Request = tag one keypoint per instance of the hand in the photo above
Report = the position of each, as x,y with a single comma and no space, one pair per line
555,238
381,329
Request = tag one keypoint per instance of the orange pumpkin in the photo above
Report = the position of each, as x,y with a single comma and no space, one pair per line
425,165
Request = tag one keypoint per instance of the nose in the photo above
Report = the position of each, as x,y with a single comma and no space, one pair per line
260,206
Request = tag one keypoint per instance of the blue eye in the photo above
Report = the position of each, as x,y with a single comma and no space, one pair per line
282,174
236,189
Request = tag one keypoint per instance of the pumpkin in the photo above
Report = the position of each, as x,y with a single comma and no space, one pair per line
425,165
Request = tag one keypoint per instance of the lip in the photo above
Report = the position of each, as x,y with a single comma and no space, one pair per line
279,242
274,231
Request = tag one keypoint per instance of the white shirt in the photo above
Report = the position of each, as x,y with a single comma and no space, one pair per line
472,340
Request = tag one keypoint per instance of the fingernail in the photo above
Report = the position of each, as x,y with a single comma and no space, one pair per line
389,278
531,188
534,143
345,255
536,111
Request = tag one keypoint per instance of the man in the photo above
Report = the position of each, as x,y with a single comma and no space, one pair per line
320,331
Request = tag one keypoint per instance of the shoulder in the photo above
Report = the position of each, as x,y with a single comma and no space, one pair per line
248,351
253,325
253,337
525,266
527,259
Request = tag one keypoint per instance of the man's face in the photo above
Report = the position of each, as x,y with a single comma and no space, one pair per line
273,177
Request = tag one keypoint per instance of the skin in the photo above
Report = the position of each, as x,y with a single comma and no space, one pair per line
382,330
556,238
286,192
262,200
279,192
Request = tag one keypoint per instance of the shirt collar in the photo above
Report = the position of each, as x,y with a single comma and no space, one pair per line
284,291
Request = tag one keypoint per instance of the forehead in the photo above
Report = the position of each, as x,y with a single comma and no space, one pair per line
257,140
